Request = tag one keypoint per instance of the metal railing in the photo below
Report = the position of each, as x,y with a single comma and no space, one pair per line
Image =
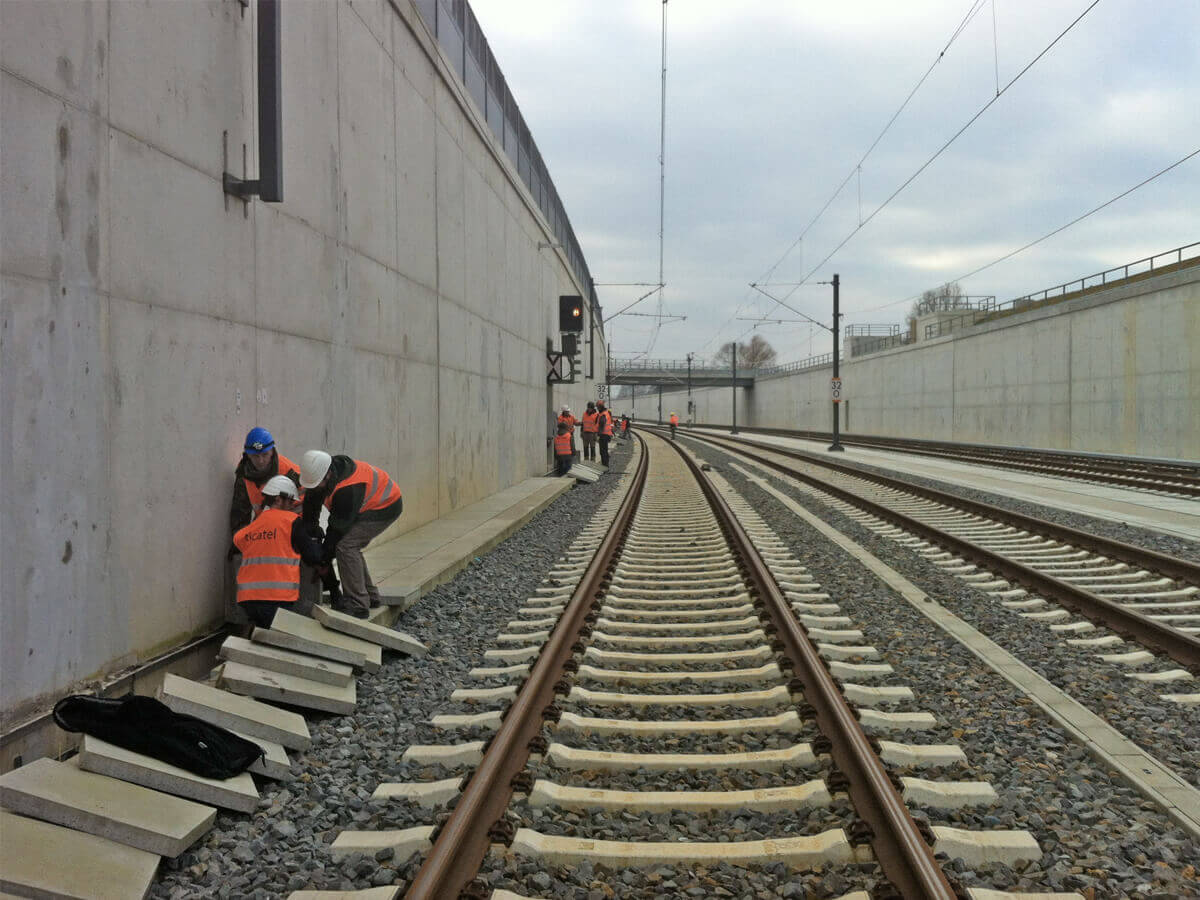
1078,287
457,30
871,330
899,339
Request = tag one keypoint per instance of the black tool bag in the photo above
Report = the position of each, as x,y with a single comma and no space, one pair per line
145,725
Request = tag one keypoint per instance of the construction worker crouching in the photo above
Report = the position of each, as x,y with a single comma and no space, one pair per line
277,550
564,453
260,463
589,429
570,421
362,501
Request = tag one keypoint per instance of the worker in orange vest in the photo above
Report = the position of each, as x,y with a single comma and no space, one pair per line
565,417
260,463
605,421
563,451
362,501
674,423
277,548
589,429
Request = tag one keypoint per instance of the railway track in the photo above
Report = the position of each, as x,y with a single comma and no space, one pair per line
1037,569
1162,476
683,663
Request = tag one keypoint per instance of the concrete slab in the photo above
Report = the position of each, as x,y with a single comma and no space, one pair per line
369,631
39,859
236,713
274,763
64,794
237,793
310,636
290,689
586,475
288,662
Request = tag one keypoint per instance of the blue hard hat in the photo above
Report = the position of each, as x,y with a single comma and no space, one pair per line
259,440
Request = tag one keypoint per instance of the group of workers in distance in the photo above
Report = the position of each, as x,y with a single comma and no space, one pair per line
275,520
598,426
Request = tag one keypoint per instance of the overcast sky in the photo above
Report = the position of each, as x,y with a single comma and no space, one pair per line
770,105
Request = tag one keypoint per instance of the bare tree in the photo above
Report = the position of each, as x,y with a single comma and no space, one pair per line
757,353
948,296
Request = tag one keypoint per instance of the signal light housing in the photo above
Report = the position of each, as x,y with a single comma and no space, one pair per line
570,313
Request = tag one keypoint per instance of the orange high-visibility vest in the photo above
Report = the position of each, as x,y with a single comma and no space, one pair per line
606,423
674,419
568,420
562,444
381,490
270,568
254,491
590,425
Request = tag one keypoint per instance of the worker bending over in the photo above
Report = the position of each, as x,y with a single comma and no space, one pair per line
279,555
563,453
362,501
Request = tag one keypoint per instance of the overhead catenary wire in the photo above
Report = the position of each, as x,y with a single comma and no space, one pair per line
1050,234
972,11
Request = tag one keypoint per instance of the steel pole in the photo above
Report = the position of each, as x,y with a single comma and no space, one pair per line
734,429
836,446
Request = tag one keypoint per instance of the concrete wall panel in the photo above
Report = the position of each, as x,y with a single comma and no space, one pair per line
181,74
395,306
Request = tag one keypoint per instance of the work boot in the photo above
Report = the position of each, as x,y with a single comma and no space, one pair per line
357,611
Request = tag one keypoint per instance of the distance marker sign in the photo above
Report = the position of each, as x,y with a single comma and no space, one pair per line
835,389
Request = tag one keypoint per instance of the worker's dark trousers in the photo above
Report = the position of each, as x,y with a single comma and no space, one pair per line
589,445
358,590
562,464
604,439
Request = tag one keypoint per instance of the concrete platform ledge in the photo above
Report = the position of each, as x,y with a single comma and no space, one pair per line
827,848
786,723
465,754
800,796
422,793
405,842
565,757
947,794
980,848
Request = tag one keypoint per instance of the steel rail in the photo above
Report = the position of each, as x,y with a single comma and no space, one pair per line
463,840
1181,647
899,846
1050,462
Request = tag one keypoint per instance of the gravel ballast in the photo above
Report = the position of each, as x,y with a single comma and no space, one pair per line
283,847
1095,831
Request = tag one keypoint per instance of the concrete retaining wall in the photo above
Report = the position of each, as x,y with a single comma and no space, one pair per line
1113,372
395,307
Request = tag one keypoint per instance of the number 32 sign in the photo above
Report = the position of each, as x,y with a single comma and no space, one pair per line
835,389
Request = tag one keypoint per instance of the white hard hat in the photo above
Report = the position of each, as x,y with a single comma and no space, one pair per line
313,467
280,485
566,409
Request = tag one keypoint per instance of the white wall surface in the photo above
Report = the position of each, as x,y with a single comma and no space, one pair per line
1113,372
395,307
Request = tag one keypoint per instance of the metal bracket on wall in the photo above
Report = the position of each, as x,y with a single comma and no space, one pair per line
269,184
